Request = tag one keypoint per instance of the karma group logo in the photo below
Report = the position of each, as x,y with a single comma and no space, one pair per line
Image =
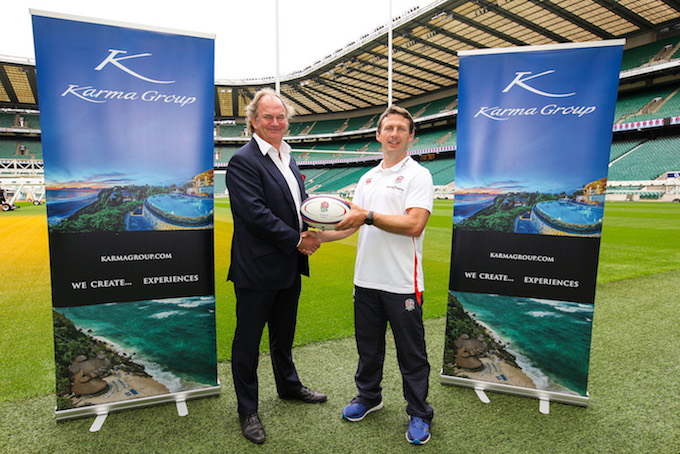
115,60
522,77
525,80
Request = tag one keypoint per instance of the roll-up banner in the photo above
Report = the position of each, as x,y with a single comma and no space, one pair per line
126,114
534,136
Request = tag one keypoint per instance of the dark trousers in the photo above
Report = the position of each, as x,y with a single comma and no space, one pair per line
254,308
373,309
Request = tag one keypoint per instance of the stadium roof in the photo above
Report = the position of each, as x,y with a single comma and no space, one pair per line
425,45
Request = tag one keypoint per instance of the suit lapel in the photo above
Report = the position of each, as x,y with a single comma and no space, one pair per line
274,171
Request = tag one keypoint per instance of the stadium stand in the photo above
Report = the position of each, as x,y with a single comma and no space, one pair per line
665,107
443,170
225,130
326,136
20,148
337,180
648,161
326,127
224,153
310,173
634,106
300,128
220,185
434,107
362,122
620,148
655,52
8,148
7,120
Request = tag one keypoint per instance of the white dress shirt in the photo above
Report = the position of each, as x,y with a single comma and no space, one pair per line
281,158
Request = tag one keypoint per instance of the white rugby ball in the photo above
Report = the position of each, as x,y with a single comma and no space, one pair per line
324,211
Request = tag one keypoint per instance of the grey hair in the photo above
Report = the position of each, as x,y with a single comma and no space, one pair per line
251,108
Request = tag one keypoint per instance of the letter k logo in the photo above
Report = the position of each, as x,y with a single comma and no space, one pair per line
117,62
520,80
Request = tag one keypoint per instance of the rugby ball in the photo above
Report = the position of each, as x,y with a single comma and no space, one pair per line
324,211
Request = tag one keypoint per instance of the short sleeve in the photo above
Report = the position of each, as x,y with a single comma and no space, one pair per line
421,190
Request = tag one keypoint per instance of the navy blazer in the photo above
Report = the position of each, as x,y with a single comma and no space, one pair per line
264,251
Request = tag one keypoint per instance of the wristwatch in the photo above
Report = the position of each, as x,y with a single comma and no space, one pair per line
369,218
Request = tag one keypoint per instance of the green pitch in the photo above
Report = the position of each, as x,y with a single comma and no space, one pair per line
633,378
638,239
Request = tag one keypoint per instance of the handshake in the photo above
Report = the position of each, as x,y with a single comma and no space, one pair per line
311,241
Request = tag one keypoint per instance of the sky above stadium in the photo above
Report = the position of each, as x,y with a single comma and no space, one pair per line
245,36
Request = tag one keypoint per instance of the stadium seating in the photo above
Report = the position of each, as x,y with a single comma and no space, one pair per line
433,107
339,179
33,149
442,170
224,153
320,178
629,106
434,139
20,148
299,129
649,161
220,184
230,130
310,173
30,121
642,55
8,148
668,106
620,148
7,120
363,122
322,156
326,126
19,120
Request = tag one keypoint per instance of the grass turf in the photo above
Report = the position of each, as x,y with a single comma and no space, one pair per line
633,379
634,406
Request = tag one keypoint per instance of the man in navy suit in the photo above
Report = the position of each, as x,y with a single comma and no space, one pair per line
268,256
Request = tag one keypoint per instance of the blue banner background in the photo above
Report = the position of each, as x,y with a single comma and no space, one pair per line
534,135
127,118
541,152
122,141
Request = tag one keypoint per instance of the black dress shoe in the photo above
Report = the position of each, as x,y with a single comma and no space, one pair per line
252,428
306,395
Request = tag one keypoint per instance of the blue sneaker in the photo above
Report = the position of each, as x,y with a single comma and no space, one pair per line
356,412
418,431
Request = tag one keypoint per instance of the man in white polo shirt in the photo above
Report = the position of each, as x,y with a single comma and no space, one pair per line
391,207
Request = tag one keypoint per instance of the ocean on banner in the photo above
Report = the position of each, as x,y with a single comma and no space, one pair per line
465,205
169,337
551,338
62,203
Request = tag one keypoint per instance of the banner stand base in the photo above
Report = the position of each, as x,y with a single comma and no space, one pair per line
545,397
101,411
98,422
182,409
482,395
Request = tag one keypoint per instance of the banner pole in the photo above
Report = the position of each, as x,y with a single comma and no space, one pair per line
278,79
389,55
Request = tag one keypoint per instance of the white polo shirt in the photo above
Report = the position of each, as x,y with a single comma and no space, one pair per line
389,261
